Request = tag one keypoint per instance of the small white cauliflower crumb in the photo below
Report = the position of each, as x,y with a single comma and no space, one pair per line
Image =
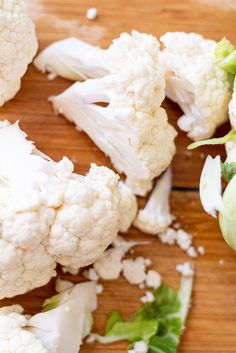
134,271
184,239
140,347
90,339
61,285
221,262
147,298
91,13
99,288
192,252
91,274
186,269
153,279
148,262
201,250
169,236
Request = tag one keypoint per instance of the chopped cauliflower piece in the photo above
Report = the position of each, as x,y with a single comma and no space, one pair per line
153,279
147,298
184,239
99,288
18,44
49,214
186,269
134,271
142,146
169,236
192,252
156,216
91,274
194,81
92,13
201,250
109,266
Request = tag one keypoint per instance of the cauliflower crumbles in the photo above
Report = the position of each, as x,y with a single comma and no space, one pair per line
51,215
18,44
133,129
194,81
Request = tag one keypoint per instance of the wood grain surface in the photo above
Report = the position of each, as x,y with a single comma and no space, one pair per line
212,322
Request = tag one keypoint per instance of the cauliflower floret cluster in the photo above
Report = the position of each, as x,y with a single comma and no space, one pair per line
18,45
194,81
51,215
132,129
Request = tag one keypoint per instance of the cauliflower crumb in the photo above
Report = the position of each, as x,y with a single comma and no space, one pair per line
192,252
92,13
134,270
201,250
140,347
169,236
99,288
90,339
147,298
141,285
176,225
153,279
184,239
221,262
186,269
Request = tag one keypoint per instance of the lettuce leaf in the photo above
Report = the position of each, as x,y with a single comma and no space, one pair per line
230,137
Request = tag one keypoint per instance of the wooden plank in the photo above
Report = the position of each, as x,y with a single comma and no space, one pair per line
211,322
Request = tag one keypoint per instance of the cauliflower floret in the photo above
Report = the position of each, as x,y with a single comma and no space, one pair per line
18,47
142,146
232,110
156,216
49,214
195,82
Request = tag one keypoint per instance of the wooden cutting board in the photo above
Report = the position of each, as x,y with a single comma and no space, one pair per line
212,322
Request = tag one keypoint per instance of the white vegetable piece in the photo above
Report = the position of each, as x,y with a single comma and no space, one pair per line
128,206
153,279
169,236
132,129
62,285
18,45
232,110
109,265
194,81
60,329
210,186
183,239
134,270
92,13
49,214
72,59
156,216
140,347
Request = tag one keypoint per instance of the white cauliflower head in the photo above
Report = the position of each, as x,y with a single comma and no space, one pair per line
195,82
49,214
18,45
142,146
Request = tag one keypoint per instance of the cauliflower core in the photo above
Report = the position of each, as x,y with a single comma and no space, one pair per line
132,129
51,215
18,45
195,82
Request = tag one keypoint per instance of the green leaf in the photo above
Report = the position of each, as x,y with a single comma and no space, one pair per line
230,137
228,170
51,303
229,63
223,49
133,331
165,344
166,304
112,320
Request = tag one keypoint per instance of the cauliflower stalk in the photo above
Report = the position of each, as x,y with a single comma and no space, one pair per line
195,81
132,129
18,44
156,217
51,215
66,319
